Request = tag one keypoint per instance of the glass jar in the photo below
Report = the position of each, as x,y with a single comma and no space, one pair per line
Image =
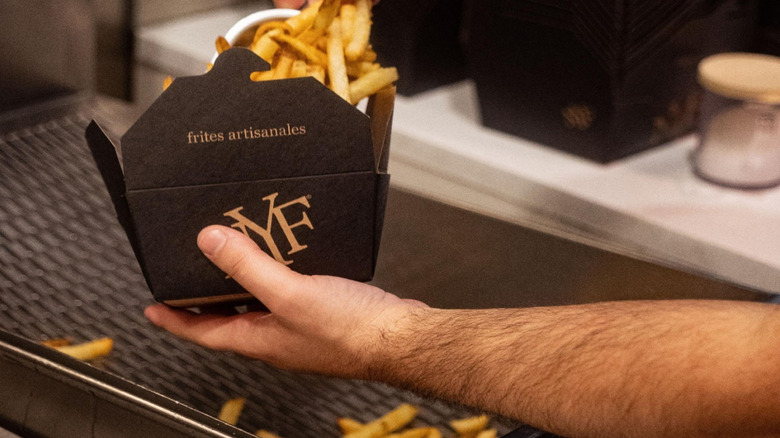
740,121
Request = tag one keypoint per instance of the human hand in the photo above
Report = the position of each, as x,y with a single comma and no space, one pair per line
296,4
292,4
318,324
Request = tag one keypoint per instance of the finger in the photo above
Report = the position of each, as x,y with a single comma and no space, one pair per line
239,257
293,4
212,331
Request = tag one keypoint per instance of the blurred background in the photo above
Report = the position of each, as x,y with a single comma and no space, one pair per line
576,119
541,155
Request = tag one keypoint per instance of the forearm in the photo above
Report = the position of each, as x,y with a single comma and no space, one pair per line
672,368
680,368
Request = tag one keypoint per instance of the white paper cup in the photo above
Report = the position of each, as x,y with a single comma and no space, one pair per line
245,28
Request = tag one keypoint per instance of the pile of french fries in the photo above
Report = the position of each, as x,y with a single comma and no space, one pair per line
389,425
328,40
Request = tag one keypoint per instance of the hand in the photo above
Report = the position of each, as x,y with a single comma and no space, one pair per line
318,324
296,4
292,4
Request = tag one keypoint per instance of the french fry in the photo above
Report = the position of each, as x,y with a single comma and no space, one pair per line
470,425
167,82
337,70
322,43
259,76
361,30
283,66
348,425
231,410
434,433
309,37
390,422
317,72
265,46
222,44
369,55
347,15
487,433
419,432
327,12
88,350
304,20
56,342
262,433
299,69
307,51
266,27
360,68
370,83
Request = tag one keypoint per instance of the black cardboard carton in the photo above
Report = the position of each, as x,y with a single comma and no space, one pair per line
287,162
421,39
601,79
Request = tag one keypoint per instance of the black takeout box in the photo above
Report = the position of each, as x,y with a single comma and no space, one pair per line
601,79
421,39
287,162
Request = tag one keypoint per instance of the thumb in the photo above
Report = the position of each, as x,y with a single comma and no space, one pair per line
239,257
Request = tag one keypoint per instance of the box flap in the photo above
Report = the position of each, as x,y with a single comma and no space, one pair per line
223,127
105,154
380,110
382,189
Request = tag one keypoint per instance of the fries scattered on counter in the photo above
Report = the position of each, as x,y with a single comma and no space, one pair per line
56,342
231,410
390,422
389,425
85,351
328,40
470,426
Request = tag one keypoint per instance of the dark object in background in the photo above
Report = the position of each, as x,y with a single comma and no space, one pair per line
421,39
599,79
114,45
768,28
46,51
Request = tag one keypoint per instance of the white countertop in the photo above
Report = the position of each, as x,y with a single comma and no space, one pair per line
650,203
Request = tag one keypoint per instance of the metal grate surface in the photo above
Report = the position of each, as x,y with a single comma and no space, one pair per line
67,269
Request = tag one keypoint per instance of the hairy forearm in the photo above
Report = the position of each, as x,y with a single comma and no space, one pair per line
672,368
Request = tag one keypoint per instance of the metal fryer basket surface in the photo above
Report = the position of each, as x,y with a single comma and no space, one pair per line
67,270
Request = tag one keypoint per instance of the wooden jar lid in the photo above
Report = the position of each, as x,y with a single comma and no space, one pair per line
745,76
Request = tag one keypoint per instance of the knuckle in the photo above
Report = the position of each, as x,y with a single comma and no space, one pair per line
238,266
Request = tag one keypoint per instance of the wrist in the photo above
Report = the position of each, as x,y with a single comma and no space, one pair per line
392,335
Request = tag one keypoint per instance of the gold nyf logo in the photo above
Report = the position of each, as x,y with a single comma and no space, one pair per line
275,214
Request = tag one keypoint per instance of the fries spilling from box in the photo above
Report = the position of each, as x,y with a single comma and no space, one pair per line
328,40
395,423
288,161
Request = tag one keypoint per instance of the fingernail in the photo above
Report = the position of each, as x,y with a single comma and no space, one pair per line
211,241
152,315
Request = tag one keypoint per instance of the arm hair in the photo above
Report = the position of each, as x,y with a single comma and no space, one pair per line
648,368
